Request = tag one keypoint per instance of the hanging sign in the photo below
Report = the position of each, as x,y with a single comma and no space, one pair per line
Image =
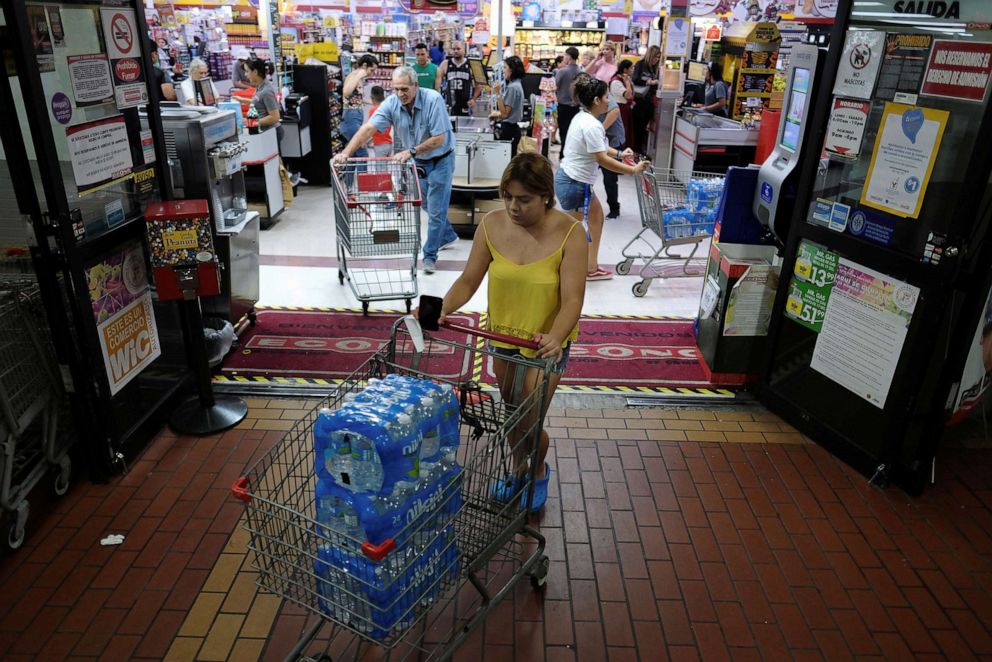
100,153
846,128
859,63
901,163
122,308
678,37
864,329
958,70
91,81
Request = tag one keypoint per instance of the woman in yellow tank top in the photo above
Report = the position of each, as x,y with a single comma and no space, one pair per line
535,256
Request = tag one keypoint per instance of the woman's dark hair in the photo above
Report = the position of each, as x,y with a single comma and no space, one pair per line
258,66
587,89
369,60
624,66
716,70
516,66
534,173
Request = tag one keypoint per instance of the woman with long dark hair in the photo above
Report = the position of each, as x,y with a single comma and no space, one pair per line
717,93
510,104
586,149
622,94
354,99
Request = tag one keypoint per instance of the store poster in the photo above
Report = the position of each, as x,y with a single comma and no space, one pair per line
811,285
122,308
977,375
958,70
678,37
859,63
903,66
91,80
864,330
749,307
41,38
846,128
905,150
100,153
816,9
123,45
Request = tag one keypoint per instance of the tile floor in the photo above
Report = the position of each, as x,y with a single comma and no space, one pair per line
680,534
299,265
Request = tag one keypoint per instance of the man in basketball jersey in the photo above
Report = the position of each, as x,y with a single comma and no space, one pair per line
460,90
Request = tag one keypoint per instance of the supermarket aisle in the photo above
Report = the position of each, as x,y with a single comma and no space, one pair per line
684,533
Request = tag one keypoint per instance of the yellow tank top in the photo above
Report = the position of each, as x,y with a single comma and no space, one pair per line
524,299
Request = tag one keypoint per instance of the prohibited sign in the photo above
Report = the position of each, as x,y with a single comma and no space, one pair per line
119,33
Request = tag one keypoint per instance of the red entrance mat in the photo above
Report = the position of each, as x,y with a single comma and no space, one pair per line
651,352
323,344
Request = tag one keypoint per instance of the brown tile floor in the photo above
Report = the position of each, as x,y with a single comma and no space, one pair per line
673,534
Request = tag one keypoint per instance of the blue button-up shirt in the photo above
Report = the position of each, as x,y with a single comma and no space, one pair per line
428,119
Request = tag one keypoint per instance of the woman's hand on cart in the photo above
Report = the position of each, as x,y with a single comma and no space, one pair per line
548,346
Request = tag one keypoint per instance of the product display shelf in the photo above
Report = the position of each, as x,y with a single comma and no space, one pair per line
322,84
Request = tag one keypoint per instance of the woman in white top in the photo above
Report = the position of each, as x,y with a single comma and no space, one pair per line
198,89
586,149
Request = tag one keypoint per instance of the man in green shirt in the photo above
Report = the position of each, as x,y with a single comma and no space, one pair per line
426,70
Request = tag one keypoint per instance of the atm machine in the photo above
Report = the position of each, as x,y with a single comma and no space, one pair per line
775,193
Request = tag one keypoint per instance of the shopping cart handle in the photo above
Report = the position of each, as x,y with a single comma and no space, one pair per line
489,335
378,552
240,489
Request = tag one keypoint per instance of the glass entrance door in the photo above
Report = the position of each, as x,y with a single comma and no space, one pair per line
78,79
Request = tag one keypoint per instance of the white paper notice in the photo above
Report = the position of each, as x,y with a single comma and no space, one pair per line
91,80
100,152
750,307
864,329
679,37
905,151
859,63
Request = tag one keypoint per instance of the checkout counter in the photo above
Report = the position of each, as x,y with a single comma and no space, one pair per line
709,143
263,183
480,160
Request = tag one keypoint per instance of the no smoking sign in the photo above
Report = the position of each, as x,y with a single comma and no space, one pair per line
119,33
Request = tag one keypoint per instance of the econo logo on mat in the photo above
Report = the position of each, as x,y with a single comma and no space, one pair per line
359,345
620,352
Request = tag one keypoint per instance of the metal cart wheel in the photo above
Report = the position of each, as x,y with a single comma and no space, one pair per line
640,288
15,535
408,303
60,483
365,308
340,277
539,573
623,268
252,317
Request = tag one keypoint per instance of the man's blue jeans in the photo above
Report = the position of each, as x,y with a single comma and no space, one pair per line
435,187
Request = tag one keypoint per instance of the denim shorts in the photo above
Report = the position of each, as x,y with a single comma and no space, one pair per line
512,352
570,193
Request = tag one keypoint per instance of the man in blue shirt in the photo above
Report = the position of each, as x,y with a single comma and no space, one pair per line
421,131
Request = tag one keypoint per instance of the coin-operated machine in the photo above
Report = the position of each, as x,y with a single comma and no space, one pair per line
185,266
775,193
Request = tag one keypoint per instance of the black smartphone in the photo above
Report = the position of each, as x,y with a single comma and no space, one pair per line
430,312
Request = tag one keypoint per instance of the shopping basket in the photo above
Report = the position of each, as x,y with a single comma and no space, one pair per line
678,207
377,217
422,591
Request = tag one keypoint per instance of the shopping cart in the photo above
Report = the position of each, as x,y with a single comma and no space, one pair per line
377,215
423,591
678,208
30,402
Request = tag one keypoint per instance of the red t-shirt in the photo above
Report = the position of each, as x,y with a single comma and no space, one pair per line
381,137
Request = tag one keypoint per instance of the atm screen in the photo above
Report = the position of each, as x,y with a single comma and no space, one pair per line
796,110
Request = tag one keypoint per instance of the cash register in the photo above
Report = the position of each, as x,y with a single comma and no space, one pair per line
695,83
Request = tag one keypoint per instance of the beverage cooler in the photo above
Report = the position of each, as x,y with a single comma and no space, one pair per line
881,332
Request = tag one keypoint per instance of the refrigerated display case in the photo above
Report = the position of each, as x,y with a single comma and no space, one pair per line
886,274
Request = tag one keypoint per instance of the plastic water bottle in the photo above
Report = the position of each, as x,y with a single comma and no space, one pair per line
323,429
366,467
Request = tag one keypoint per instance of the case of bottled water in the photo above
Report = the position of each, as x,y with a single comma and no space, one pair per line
386,468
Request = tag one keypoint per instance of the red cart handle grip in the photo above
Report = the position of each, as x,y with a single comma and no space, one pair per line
240,489
489,335
378,552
